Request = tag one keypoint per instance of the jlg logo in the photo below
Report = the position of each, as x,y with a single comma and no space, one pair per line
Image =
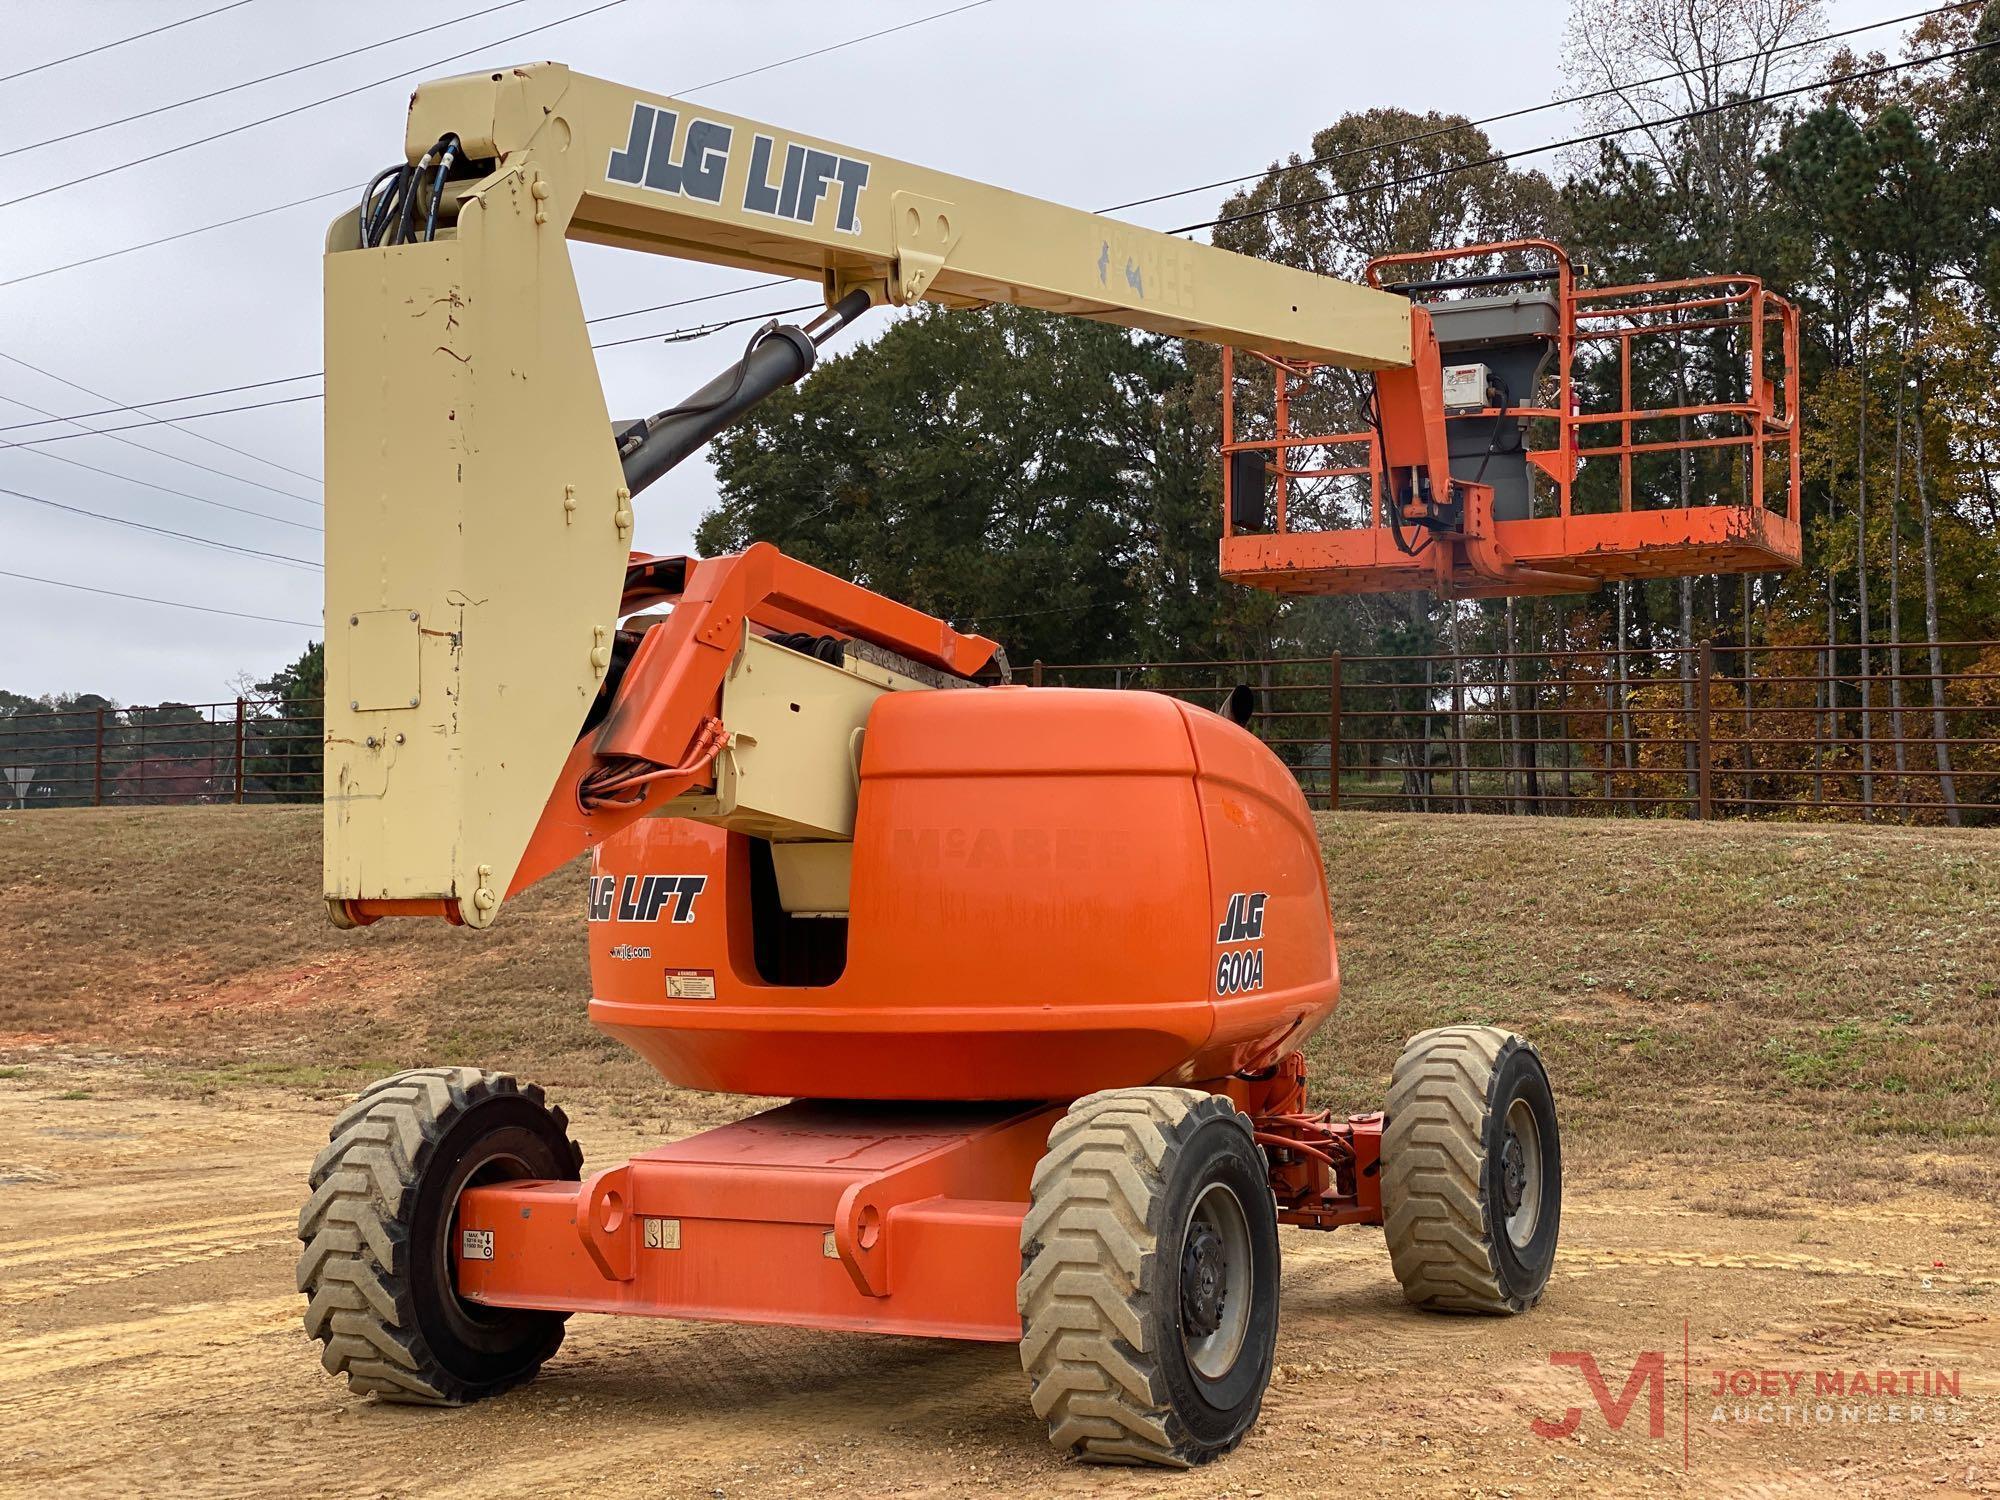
1244,921
641,898
781,184
1240,970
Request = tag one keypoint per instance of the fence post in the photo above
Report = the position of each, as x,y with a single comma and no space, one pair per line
1035,674
1333,734
239,752
97,764
1704,743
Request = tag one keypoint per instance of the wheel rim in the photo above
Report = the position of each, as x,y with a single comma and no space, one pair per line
491,1161
1217,1281
1521,1173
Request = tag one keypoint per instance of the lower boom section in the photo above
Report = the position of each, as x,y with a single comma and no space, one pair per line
869,1217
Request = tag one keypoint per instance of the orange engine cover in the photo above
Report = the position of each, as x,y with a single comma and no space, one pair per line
1054,891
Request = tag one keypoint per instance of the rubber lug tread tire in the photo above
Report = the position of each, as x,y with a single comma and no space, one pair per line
1433,1193
354,1269
1086,1247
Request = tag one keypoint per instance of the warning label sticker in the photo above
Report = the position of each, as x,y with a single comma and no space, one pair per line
690,984
475,1244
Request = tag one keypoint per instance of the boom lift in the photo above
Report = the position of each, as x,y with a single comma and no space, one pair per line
1034,965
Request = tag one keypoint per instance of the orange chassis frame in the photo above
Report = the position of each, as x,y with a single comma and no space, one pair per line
875,1218
881,1217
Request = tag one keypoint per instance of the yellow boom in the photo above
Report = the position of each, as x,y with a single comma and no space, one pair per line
478,520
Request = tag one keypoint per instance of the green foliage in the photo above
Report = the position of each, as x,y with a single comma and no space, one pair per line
283,746
1046,480
1052,481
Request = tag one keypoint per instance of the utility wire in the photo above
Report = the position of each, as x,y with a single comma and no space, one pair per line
220,411
296,109
77,463
343,192
183,536
139,447
184,234
251,83
257,385
1534,109
700,332
234,614
56,62
668,335
853,41
1588,139
1446,171
703,331
1363,151
112,411
15,359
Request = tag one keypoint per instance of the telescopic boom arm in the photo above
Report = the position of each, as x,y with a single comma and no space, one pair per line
479,522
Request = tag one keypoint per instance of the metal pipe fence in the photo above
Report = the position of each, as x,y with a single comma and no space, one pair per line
244,750
1777,731
1787,730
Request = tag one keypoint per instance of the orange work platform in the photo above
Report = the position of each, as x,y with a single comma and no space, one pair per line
1652,432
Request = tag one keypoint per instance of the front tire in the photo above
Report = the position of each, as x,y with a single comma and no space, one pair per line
378,1267
1471,1171
1149,1278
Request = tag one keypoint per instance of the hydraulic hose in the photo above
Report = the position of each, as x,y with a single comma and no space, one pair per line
778,355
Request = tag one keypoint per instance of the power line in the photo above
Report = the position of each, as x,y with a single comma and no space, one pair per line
112,411
251,83
220,411
234,614
77,463
1589,139
699,330
136,36
168,239
1309,202
166,531
15,359
735,291
853,41
1534,109
341,192
703,330
256,385
1212,223
137,446
296,109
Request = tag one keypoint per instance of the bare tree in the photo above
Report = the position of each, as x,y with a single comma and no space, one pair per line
1659,59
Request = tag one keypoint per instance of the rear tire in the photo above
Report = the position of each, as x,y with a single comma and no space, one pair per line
378,1268
1149,1278
1471,1171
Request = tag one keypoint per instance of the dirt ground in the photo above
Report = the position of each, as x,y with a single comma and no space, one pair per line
150,1344
1777,1050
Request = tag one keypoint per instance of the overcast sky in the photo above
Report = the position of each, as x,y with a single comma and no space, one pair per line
1088,104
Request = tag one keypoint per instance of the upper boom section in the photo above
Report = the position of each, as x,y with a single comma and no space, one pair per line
479,517
657,174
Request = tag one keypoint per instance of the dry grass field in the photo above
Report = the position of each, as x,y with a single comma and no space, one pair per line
1777,1048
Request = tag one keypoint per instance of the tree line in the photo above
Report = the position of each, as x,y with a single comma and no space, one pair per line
1053,482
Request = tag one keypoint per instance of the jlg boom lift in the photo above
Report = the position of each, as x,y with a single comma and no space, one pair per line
1034,966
